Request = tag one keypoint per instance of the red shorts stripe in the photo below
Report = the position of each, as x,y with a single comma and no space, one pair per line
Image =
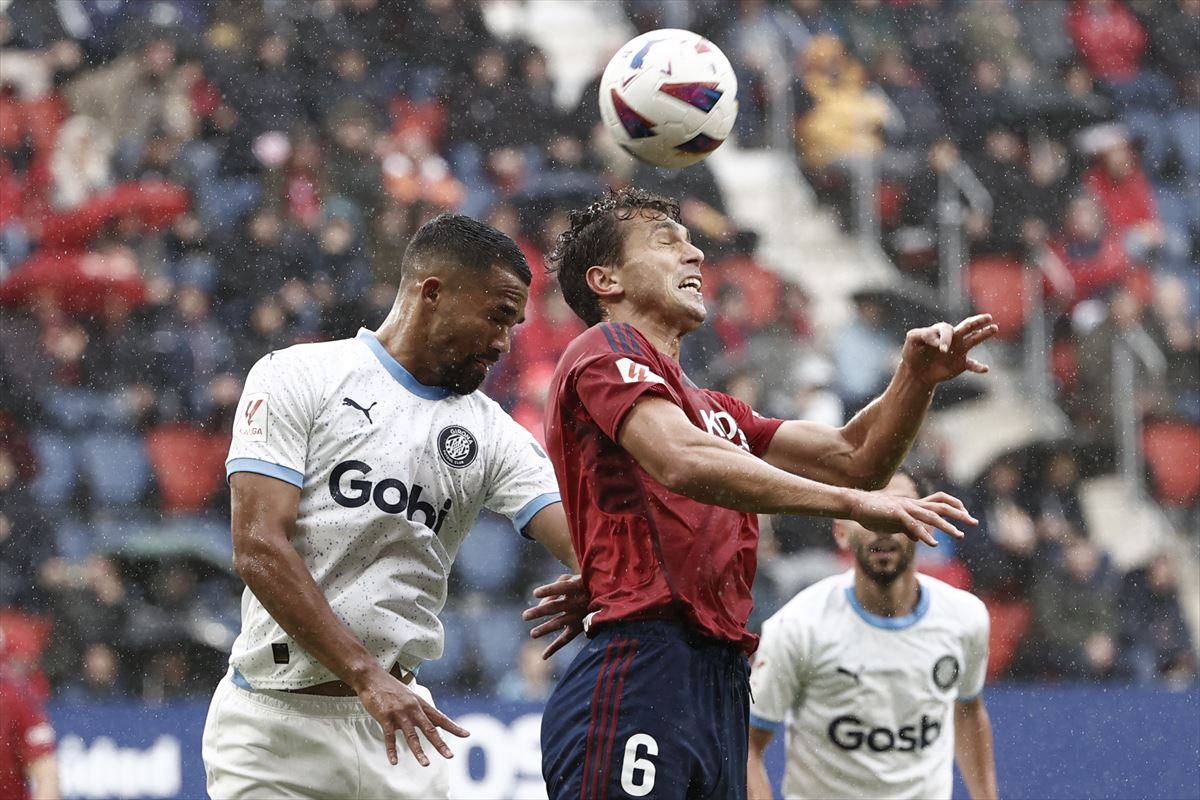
621,669
602,723
609,652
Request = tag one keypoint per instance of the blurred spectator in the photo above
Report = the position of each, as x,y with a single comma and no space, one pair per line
839,121
1154,636
1093,255
1076,628
864,354
533,679
1002,552
1058,490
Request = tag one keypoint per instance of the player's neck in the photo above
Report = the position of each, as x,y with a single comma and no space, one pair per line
665,338
400,340
896,599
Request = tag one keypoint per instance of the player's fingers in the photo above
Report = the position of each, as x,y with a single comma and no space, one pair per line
937,517
977,366
561,641
550,626
917,531
389,742
435,738
973,323
954,502
562,585
414,743
444,722
951,512
979,335
945,336
544,609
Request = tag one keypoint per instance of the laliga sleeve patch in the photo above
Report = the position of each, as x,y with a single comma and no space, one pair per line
252,418
633,372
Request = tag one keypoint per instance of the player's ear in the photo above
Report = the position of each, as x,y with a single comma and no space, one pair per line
603,282
841,535
431,290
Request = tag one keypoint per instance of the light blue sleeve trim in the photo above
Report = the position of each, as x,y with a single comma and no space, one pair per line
764,724
532,508
271,470
969,699
239,680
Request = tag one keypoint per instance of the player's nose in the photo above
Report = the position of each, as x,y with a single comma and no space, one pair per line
692,254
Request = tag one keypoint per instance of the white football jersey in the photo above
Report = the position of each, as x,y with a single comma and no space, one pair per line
392,474
869,701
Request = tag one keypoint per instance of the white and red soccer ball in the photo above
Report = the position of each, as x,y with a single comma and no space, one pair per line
669,97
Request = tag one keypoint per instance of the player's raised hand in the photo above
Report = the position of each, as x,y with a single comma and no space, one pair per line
566,603
941,352
398,708
916,519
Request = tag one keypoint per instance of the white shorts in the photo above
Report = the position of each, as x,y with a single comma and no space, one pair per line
266,744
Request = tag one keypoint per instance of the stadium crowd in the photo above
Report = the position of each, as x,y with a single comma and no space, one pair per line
186,185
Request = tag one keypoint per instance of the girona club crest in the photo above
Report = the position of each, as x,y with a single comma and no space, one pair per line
457,446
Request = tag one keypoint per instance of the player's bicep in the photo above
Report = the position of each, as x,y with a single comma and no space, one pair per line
814,451
263,512
659,436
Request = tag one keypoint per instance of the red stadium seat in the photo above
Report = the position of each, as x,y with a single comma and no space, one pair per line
997,287
1010,622
1172,452
188,464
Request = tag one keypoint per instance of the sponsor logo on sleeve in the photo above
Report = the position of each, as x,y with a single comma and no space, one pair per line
253,416
633,372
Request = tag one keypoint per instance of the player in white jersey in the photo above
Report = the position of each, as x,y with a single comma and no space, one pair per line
876,674
357,468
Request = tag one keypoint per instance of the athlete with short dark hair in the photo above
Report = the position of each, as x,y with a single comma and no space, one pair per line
356,470
876,675
661,481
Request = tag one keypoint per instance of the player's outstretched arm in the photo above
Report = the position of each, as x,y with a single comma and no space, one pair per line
866,451
973,749
758,785
713,470
264,518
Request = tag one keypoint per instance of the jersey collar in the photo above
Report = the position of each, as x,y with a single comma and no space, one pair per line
397,371
890,623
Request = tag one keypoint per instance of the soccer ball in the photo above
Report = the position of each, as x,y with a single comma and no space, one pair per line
669,97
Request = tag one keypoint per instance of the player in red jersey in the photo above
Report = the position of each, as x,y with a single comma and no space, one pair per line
26,746
661,481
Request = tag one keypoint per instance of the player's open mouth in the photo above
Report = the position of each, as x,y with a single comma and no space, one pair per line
691,284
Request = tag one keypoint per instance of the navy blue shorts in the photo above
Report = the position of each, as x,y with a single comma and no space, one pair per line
649,709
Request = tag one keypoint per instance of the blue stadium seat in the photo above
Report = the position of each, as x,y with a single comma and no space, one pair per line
115,467
57,468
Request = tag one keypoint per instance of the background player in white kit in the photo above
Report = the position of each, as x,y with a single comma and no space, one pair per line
357,467
877,675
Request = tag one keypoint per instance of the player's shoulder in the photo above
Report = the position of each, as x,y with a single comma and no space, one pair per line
336,354
951,601
816,602
614,339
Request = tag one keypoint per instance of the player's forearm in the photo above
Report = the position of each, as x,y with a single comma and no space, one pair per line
718,472
43,774
758,785
278,577
973,751
883,432
549,529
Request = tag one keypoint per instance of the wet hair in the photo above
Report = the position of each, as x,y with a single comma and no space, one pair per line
462,243
595,239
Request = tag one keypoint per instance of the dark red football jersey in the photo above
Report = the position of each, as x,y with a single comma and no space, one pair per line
25,736
645,551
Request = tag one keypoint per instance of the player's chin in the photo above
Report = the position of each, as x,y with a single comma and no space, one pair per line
468,379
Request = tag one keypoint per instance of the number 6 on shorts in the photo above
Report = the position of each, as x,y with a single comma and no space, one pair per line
634,784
